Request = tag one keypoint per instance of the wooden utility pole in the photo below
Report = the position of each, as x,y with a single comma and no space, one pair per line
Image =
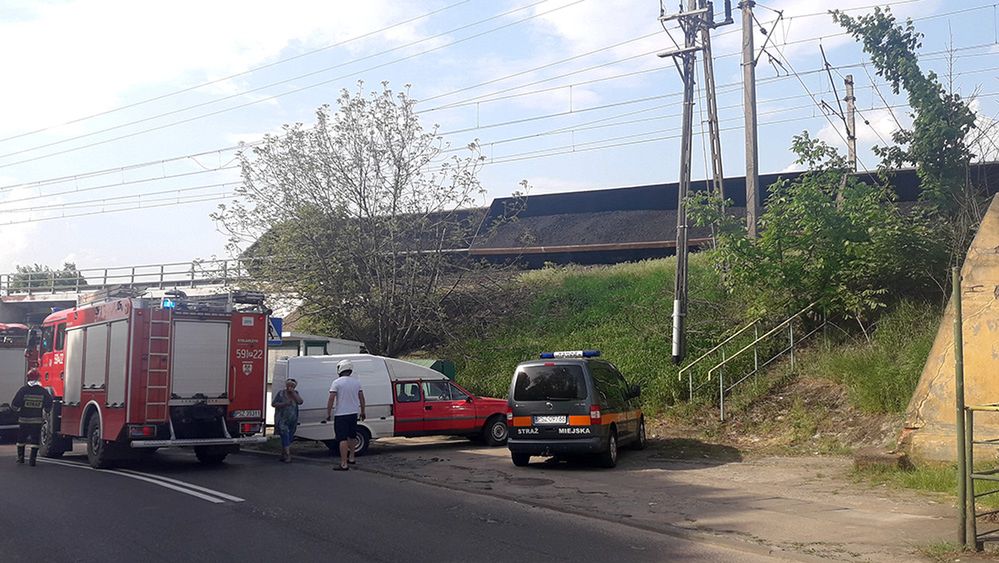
749,104
851,121
696,21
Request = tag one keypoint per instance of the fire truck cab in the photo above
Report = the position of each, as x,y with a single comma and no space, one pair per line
136,374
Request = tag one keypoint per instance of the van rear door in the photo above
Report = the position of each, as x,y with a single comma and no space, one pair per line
550,400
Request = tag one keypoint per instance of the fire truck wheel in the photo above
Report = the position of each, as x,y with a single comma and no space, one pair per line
52,445
97,447
208,455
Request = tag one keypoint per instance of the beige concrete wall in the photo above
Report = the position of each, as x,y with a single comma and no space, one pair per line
930,422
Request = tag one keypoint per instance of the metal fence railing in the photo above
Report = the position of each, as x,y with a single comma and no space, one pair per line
167,275
719,351
763,353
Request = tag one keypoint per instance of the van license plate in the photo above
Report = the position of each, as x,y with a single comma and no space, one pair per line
549,419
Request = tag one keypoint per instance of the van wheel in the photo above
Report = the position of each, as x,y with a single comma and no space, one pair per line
495,431
98,453
640,442
52,445
363,440
608,458
520,460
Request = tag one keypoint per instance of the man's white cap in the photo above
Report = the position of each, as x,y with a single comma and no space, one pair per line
344,365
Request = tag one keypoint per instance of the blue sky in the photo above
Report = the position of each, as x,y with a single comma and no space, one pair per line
101,86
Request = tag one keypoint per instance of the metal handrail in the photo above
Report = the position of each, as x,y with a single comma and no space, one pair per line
147,274
785,324
686,368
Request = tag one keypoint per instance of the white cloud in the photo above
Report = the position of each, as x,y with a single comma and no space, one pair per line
874,127
98,52
16,247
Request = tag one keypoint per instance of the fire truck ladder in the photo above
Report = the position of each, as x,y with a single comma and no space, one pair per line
158,371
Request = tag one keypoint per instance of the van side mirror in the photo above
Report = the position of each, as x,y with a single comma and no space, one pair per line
635,391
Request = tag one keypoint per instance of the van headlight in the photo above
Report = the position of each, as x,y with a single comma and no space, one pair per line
246,414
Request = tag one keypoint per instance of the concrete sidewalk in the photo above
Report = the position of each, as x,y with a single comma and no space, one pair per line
804,506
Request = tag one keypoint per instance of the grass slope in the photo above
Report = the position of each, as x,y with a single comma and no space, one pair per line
623,310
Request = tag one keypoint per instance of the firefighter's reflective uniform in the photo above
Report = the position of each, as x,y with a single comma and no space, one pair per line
31,403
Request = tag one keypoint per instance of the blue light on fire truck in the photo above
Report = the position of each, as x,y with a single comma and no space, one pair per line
570,354
168,303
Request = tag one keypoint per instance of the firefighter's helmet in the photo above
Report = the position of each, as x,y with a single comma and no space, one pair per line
344,365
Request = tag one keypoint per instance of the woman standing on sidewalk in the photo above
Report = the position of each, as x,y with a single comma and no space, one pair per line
286,404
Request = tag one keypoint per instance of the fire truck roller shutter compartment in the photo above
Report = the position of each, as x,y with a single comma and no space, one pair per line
74,366
117,364
95,362
11,373
200,359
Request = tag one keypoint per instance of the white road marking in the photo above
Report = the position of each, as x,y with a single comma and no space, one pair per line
203,493
213,492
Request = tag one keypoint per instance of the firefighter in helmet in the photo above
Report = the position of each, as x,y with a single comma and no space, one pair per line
30,403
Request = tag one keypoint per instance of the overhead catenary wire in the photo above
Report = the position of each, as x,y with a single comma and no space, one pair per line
617,142
268,98
577,127
575,110
167,202
243,72
266,86
4,202
930,56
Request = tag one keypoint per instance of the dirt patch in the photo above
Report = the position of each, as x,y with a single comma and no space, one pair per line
797,415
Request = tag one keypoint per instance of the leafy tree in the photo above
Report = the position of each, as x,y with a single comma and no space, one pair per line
939,142
37,276
826,237
359,217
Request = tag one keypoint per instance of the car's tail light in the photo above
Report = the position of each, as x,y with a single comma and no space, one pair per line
595,417
249,427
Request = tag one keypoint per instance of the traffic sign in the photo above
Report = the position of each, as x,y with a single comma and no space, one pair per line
274,326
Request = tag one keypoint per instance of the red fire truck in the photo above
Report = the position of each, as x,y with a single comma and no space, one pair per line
135,374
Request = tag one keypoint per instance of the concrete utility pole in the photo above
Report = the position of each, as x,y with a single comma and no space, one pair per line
696,21
717,172
851,121
686,146
749,104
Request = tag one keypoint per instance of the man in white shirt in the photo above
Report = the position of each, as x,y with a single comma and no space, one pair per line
346,403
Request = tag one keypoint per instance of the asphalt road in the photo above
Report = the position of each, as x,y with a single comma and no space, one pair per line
253,508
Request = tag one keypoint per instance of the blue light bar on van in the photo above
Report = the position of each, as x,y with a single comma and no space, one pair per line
570,354
168,303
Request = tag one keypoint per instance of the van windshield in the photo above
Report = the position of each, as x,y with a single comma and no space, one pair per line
550,383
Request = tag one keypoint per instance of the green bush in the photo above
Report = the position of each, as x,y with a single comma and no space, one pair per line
881,375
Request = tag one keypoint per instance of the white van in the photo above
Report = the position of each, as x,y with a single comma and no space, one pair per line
401,399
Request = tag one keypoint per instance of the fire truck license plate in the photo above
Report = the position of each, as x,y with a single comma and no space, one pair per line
549,419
